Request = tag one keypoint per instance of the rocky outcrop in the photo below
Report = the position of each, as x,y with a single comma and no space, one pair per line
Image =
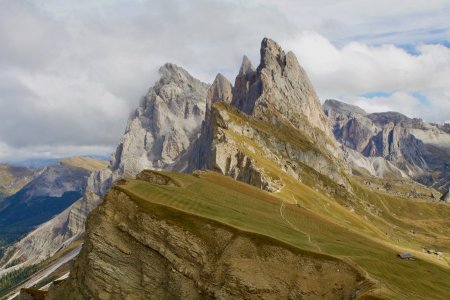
201,155
158,178
279,95
351,127
160,258
280,85
164,126
247,87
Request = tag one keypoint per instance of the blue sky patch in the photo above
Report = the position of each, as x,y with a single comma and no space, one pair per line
422,98
376,94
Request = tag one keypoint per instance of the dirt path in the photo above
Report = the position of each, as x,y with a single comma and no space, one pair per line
282,207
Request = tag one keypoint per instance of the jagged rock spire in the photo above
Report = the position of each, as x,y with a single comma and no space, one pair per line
246,66
279,85
245,90
220,90
164,125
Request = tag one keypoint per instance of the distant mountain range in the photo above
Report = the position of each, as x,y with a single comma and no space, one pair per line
36,163
43,194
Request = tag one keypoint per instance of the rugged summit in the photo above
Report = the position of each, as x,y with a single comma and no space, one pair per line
279,84
163,127
277,96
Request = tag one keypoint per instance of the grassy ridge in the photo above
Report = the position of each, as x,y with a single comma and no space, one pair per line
222,199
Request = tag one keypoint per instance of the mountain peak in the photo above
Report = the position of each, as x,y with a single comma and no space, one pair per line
286,88
272,55
220,90
246,66
172,72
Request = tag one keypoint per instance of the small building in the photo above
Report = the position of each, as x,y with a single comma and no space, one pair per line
406,255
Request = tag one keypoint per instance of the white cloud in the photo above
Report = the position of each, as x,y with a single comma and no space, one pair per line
357,69
71,71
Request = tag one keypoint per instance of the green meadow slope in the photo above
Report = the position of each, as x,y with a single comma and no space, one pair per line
219,198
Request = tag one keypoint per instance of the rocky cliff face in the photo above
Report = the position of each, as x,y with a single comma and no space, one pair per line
280,85
164,126
414,147
277,96
159,258
201,155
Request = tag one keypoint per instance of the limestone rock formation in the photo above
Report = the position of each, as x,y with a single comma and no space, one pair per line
164,126
279,95
201,155
280,85
266,130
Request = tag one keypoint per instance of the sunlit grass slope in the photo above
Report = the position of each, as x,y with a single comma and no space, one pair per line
305,219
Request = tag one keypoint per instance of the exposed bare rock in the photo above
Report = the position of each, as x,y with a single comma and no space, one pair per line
158,136
156,258
164,126
332,106
229,159
219,91
50,193
155,177
280,95
247,87
375,166
284,87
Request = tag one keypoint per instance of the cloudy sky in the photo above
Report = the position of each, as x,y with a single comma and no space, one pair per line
71,71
